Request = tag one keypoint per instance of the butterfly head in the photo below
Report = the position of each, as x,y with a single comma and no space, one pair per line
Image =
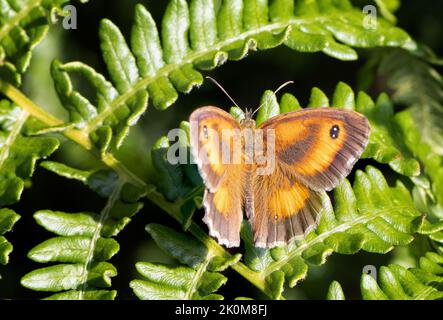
247,121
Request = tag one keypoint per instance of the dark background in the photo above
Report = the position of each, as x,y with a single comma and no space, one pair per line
245,80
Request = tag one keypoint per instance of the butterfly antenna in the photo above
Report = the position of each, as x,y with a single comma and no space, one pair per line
223,89
274,93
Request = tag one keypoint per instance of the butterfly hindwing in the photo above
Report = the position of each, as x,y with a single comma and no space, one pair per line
283,208
223,208
314,150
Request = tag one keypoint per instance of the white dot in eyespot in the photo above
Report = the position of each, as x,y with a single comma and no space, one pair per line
275,217
205,132
335,129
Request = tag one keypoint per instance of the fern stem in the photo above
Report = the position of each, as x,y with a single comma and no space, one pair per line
39,113
16,128
200,271
123,172
253,277
26,104
103,217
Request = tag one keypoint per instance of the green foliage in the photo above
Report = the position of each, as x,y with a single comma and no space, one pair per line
430,270
335,292
387,8
18,153
370,214
428,190
199,279
415,83
84,241
7,220
193,37
387,141
395,282
23,25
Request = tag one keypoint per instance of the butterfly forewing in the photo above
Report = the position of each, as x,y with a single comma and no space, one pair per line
319,146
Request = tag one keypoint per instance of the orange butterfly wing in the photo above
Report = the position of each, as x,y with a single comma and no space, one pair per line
210,129
314,150
283,208
319,146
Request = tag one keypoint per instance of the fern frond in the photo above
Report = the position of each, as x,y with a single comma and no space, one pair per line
430,270
198,279
18,155
417,84
432,230
387,141
428,189
395,282
431,181
84,241
198,37
358,223
23,25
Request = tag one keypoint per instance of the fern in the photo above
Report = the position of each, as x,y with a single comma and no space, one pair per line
199,280
23,25
430,270
430,185
433,230
398,283
370,215
84,241
145,67
7,220
387,9
18,155
416,84
335,291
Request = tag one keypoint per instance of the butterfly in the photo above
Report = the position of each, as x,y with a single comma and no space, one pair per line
313,150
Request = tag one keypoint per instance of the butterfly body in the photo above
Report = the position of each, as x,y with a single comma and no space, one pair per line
275,172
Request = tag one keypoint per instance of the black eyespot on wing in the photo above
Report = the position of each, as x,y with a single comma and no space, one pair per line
205,132
335,130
